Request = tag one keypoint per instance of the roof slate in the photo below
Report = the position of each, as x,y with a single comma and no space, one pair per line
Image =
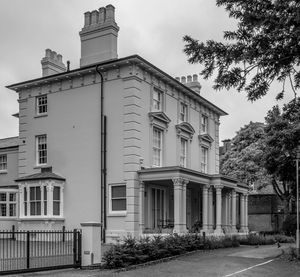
9,142
41,176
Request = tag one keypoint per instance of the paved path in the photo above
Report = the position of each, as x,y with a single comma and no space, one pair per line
238,262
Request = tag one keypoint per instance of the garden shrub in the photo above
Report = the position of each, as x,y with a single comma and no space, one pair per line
283,239
132,251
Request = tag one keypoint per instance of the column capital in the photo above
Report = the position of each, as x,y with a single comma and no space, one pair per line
206,187
218,186
179,181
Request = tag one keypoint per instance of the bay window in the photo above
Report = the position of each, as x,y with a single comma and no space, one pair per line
43,200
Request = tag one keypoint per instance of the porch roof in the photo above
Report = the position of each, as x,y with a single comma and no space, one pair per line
41,176
170,172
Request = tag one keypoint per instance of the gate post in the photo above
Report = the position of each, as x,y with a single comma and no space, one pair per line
91,243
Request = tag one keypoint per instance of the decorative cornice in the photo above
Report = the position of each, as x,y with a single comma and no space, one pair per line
185,127
206,137
160,116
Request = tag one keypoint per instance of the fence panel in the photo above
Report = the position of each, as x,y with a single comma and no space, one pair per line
23,251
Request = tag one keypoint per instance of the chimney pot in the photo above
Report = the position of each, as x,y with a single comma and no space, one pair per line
177,78
94,17
189,78
183,79
195,78
110,13
87,19
102,15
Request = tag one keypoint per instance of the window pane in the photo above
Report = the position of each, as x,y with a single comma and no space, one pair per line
119,205
45,193
12,197
2,196
32,193
56,193
118,191
12,209
38,193
2,209
56,208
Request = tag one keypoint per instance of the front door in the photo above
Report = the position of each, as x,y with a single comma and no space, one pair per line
157,207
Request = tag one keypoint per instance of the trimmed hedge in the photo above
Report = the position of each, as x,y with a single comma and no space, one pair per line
255,239
132,251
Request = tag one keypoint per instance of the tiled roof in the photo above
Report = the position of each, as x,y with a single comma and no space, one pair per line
41,176
9,142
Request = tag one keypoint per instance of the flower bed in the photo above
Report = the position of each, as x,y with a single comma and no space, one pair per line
132,251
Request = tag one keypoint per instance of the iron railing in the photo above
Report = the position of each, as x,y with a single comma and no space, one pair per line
22,251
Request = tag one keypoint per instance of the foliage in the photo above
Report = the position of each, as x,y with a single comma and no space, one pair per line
133,251
289,225
282,139
244,160
254,239
264,47
284,238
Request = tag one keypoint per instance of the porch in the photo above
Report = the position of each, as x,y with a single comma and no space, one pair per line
176,199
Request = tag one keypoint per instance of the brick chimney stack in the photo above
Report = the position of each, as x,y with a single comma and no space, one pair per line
99,36
190,82
52,63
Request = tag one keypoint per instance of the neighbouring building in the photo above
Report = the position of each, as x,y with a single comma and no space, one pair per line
118,141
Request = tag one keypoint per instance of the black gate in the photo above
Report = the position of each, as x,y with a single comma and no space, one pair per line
24,251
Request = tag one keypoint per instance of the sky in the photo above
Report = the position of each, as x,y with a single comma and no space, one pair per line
152,29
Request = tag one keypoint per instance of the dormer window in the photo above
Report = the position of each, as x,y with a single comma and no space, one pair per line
157,101
204,124
183,114
41,105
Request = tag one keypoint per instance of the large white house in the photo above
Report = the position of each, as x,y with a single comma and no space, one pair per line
116,141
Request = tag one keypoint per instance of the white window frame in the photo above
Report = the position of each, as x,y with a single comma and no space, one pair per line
158,148
3,163
8,202
47,201
117,212
204,160
42,104
157,102
39,152
204,124
183,155
183,112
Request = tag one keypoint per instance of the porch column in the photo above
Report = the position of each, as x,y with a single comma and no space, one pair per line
218,209
179,204
21,200
204,207
229,212
210,209
233,211
246,213
142,207
242,212
184,183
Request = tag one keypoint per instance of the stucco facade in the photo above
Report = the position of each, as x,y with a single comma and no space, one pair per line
121,142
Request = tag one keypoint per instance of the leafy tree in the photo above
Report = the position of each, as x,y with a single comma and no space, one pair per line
244,160
282,140
264,47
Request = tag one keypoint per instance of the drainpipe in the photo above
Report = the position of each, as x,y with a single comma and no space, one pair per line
103,157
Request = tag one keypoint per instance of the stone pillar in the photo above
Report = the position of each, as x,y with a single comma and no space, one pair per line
142,207
179,204
91,243
233,211
205,208
210,209
242,213
218,229
246,213
225,216
229,218
184,183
